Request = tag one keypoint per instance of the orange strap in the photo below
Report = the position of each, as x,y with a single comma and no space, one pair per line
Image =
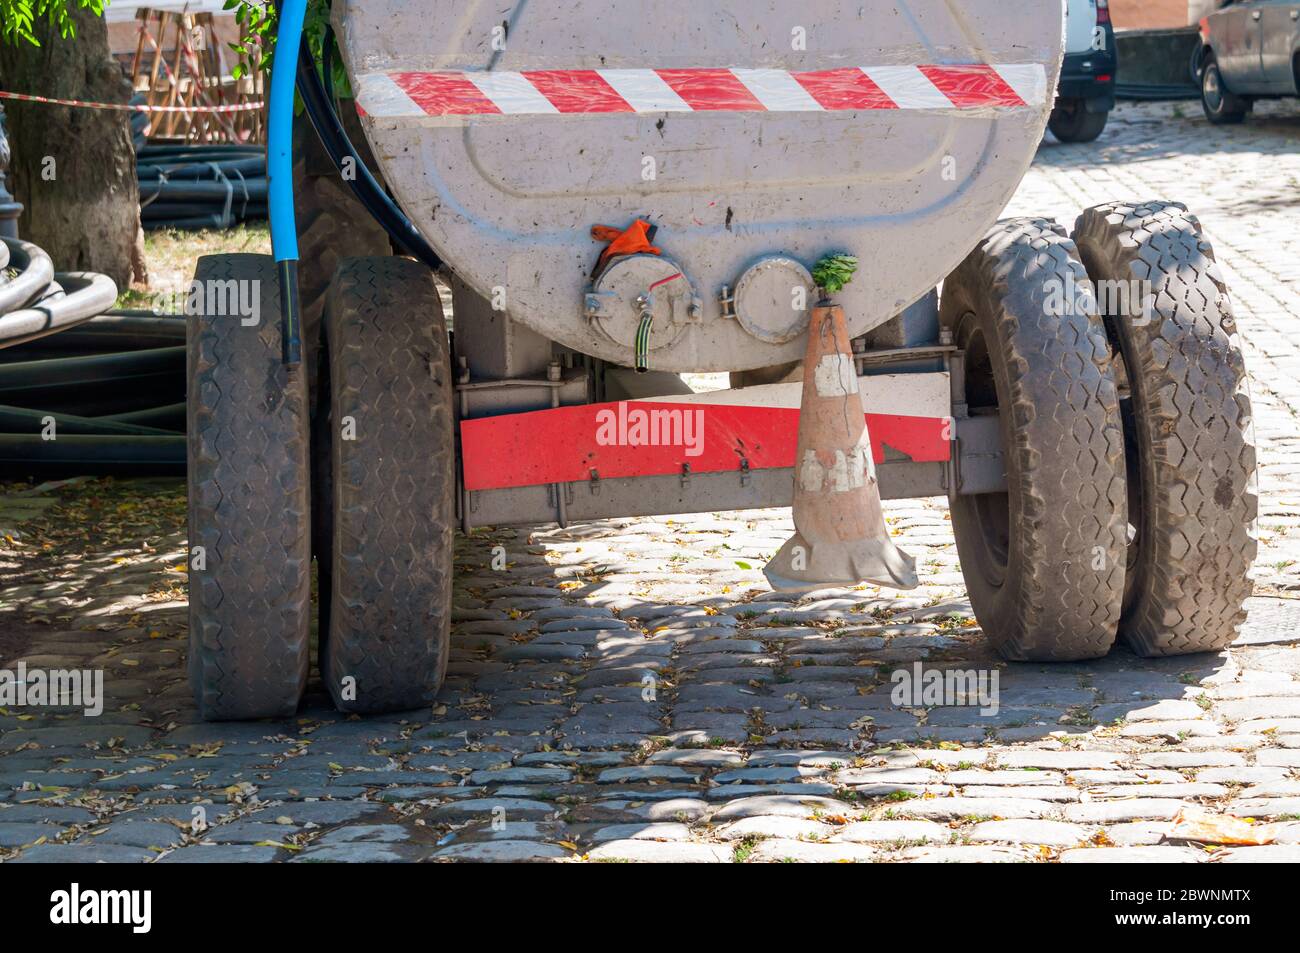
634,240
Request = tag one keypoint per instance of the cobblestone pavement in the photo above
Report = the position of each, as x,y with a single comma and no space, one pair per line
631,690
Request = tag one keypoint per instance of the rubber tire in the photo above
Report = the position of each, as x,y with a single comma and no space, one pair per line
1232,110
1052,591
249,506
1190,415
394,513
332,225
1077,124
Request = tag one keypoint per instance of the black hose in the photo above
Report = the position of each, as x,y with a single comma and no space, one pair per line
254,167
93,455
113,333
20,420
154,155
80,371
143,392
238,190
334,138
168,417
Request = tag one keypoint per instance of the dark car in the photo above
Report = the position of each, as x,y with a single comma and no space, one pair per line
1086,93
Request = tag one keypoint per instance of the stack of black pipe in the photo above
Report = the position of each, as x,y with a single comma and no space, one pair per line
201,186
83,389
107,397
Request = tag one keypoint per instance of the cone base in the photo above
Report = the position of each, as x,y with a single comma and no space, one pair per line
836,565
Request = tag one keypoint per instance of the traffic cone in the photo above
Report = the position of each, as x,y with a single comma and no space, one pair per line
840,534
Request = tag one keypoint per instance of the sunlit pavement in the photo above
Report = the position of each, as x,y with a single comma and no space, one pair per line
632,690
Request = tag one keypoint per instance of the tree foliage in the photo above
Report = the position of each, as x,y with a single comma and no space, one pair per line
257,17
18,17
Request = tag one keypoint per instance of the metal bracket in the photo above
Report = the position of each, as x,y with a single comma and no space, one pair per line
744,471
594,482
686,475
593,303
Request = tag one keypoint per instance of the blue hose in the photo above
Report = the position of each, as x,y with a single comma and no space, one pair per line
279,162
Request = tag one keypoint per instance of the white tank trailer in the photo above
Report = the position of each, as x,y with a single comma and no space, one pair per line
624,192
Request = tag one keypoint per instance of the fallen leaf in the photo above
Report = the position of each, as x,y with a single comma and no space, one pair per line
1194,824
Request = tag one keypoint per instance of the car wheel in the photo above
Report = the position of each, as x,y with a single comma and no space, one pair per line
1072,122
1222,107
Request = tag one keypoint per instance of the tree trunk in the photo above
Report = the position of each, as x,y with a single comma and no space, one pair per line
74,168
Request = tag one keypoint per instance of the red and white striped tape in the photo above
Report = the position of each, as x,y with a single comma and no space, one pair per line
128,107
569,92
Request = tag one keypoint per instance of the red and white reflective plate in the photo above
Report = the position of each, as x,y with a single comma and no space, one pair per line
712,432
405,94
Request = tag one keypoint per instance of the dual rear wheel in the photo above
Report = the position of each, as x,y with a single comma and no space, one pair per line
380,450
1111,360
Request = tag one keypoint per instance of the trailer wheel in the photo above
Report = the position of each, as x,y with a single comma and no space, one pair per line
249,501
1191,442
332,225
1044,561
392,435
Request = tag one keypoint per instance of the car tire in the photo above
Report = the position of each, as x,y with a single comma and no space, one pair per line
1071,121
1222,107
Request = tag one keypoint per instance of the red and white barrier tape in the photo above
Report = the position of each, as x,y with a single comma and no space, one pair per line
551,92
129,107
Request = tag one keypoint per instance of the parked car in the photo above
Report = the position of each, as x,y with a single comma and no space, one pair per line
1250,49
1086,94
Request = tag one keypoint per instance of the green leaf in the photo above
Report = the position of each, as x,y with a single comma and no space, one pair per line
833,272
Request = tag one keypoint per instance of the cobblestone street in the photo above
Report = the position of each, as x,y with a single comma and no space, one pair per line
632,690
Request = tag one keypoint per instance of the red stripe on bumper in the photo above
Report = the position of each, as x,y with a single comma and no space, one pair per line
565,445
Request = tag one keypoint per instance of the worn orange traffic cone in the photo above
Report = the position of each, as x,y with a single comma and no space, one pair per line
840,534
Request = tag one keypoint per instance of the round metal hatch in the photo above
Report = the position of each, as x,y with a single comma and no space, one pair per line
628,287
774,300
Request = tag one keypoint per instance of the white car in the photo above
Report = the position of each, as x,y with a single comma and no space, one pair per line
1086,93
